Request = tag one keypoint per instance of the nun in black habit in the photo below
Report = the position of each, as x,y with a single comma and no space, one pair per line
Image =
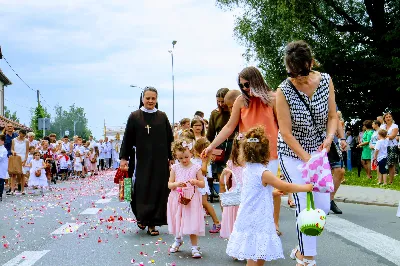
149,131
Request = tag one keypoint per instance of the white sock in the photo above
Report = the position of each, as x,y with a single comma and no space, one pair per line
178,239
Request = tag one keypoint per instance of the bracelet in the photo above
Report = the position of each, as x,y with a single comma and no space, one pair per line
342,139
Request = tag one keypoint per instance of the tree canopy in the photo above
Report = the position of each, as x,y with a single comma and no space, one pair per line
13,116
356,42
64,121
38,112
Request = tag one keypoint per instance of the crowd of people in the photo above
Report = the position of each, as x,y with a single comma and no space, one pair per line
255,140
29,163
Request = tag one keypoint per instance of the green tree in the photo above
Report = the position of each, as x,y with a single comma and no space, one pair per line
357,42
36,113
9,115
64,121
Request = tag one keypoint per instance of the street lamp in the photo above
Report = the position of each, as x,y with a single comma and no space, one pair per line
173,82
74,127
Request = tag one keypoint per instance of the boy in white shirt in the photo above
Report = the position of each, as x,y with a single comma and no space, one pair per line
3,165
380,155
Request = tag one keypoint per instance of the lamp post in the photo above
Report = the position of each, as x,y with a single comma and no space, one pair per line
173,82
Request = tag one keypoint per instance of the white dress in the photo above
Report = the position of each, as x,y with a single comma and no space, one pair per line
206,189
78,164
40,181
254,236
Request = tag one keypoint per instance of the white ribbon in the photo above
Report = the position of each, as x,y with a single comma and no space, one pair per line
187,145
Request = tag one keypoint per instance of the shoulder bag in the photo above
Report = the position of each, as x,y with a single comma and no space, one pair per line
219,154
334,154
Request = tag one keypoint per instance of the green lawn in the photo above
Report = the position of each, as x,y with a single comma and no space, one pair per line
352,179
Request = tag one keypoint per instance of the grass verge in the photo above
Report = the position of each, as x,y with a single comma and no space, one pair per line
352,179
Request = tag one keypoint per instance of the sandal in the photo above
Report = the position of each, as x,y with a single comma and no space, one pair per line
293,256
309,262
196,253
153,232
175,246
291,204
141,227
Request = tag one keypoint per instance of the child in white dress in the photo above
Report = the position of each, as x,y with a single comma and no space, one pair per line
199,146
254,236
37,164
78,164
3,165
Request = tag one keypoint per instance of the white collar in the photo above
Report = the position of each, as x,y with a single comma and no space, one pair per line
144,109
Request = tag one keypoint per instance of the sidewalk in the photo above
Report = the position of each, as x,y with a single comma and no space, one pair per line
368,196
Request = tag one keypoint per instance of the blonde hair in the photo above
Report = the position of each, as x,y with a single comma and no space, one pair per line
177,145
201,144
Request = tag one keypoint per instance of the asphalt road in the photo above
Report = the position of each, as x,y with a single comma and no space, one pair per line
52,230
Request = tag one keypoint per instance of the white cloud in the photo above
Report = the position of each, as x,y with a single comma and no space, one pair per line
88,53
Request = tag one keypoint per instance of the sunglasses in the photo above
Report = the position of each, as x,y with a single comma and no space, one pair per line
302,73
245,85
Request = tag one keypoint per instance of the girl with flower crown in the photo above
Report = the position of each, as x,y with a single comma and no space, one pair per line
185,210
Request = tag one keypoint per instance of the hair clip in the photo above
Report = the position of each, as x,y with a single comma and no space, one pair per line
187,145
253,140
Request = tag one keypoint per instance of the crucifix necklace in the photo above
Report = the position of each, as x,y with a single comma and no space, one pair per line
148,129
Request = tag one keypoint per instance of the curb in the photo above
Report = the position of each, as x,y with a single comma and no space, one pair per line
375,203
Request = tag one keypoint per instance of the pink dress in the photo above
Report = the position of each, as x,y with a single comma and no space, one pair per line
229,213
185,219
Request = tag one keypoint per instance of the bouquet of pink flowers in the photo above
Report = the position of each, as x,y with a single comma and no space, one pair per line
317,171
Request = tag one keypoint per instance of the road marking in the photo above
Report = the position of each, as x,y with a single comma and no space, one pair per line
380,244
91,211
67,228
26,258
112,193
103,201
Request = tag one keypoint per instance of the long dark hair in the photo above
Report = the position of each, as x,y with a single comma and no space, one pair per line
197,119
259,88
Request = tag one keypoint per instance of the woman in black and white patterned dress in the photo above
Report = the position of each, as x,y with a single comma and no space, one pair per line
299,137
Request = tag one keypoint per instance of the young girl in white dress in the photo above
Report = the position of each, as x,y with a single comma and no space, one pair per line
78,164
184,180
37,164
254,236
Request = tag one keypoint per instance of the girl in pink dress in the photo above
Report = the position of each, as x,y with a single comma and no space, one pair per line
184,178
229,213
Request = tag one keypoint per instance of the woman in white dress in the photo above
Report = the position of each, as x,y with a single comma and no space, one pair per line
20,147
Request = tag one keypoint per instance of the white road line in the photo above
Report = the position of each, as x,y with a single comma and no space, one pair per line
26,258
103,201
112,193
91,211
380,244
67,228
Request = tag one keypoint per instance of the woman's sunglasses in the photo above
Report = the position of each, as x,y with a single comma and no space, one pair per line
245,85
302,73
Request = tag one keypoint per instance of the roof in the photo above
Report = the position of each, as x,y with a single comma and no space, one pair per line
4,79
4,121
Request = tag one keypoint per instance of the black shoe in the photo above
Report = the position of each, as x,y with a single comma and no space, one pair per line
335,209
8,192
19,187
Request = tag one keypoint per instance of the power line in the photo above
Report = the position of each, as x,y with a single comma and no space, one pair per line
17,74
23,106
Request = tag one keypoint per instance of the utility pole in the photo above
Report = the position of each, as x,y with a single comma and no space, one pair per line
74,127
104,128
38,97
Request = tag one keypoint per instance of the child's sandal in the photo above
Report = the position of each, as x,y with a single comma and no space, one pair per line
175,246
309,262
196,253
293,256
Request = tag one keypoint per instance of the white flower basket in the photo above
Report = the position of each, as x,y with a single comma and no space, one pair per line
230,198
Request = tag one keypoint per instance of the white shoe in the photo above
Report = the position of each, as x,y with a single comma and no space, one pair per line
175,246
196,253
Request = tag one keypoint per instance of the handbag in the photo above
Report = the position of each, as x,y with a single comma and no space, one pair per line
14,165
183,200
334,155
219,155
230,198
311,221
120,175
128,189
121,190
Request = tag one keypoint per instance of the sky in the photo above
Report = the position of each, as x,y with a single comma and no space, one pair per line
88,53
